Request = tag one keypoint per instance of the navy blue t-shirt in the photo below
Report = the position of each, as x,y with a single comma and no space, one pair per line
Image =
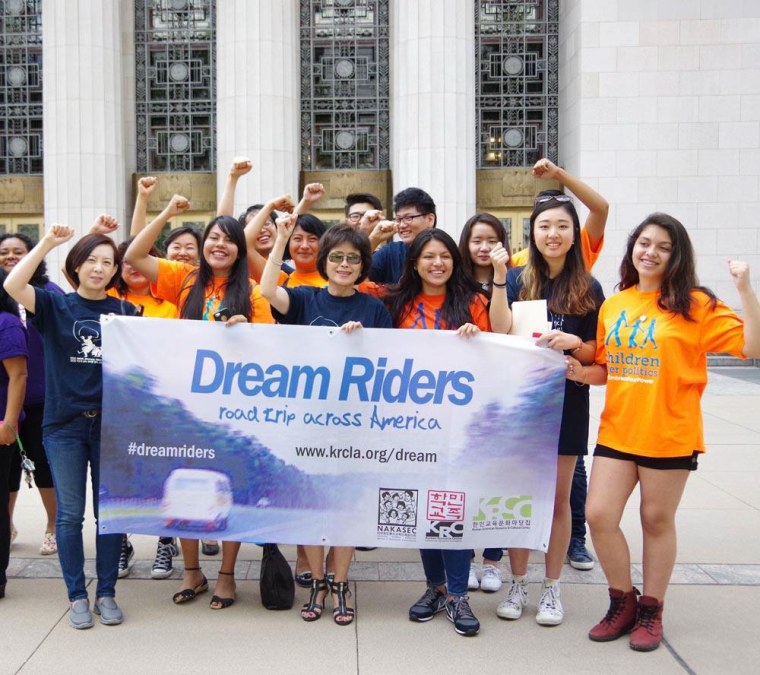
70,327
310,306
573,434
13,342
388,263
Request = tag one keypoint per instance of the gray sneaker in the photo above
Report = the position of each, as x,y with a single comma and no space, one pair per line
110,614
432,602
80,616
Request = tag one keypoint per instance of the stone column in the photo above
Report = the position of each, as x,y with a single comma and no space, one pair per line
433,104
257,65
84,113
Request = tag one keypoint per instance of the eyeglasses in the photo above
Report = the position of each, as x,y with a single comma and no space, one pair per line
354,217
408,220
548,198
350,258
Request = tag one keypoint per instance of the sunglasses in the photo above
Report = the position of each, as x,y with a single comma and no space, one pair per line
351,258
549,198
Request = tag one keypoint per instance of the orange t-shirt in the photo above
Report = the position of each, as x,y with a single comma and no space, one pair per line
657,370
590,254
425,313
296,278
173,285
155,308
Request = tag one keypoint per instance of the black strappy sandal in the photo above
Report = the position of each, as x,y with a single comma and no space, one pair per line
313,607
188,594
341,610
222,603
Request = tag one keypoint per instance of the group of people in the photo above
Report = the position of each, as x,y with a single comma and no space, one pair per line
278,263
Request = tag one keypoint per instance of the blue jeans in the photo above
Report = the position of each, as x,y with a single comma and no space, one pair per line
69,449
578,500
446,566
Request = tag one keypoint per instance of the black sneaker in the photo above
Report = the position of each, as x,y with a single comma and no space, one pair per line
125,559
459,613
578,556
162,565
432,602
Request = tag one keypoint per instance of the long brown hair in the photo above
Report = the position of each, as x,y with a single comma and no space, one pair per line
571,292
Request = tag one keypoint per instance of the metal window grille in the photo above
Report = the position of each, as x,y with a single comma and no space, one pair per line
21,87
517,81
345,119
175,67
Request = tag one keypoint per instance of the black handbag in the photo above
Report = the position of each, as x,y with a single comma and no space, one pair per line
278,590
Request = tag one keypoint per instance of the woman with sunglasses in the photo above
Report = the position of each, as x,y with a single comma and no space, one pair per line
343,261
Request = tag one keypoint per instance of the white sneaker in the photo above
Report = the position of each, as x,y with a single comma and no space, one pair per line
517,597
490,579
49,545
472,581
550,612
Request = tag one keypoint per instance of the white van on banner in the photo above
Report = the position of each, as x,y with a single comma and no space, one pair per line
308,435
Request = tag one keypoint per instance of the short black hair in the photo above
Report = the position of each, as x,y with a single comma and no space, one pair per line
414,197
311,225
362,198
82,250
179,231
254,209
338,235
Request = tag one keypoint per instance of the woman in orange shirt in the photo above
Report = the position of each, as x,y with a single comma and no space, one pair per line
219,289
436,293
652,343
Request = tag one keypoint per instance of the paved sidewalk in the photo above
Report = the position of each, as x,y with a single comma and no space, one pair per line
710,618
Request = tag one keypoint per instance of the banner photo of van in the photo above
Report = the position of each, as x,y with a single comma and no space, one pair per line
298,434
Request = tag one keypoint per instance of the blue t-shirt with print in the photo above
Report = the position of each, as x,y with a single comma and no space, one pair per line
70,328
388,263
310,306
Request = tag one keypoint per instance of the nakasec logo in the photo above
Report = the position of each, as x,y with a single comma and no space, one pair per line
503,513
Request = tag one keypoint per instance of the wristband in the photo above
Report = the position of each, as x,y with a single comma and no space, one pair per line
276,262
578,348
495,285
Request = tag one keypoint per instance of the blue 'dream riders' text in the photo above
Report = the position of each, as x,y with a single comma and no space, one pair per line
362,379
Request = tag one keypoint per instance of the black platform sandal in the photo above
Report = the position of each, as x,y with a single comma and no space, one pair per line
188,594
312,610
342,615
219,602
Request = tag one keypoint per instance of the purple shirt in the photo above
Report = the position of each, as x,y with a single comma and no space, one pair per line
12,343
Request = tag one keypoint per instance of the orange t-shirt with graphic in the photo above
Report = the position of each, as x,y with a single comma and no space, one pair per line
425,313
657,370
173,285
155,308
590,254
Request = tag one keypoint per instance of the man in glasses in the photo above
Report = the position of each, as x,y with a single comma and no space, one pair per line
414,211
358,207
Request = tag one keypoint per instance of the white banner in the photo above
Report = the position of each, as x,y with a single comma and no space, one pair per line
307,435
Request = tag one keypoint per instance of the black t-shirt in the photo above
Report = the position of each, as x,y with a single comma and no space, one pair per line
310,306
70,327
573,435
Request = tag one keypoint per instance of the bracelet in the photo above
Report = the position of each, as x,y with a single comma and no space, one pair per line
495,285
274,261
578,348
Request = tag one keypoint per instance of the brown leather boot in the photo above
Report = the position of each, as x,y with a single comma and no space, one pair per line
647,633
620,617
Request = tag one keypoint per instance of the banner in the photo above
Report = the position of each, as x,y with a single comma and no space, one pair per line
309,435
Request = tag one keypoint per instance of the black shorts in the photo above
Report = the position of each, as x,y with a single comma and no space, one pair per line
30,431
688,463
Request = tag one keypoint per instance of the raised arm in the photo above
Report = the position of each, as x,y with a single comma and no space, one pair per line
256,261
594,202
381,233
145,186
240,167
312,193
138,254
499,312
750,308
17,283
104,224
278,297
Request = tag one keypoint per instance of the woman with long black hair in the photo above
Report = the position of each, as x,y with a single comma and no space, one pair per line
217,290
436,293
